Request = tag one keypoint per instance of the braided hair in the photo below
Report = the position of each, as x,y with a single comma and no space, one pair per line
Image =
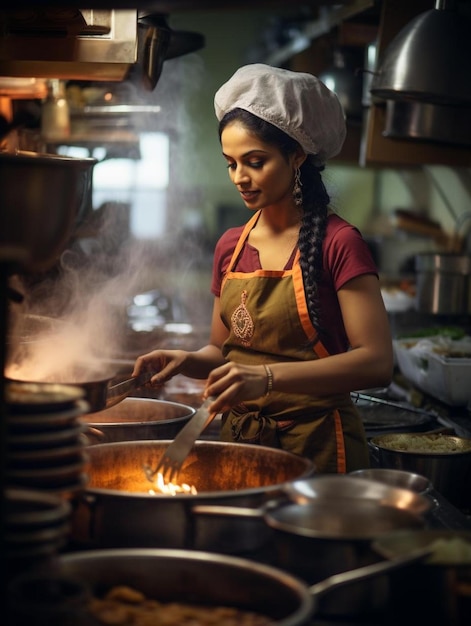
315,203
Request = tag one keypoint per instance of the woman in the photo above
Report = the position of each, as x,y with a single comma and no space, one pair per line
298,319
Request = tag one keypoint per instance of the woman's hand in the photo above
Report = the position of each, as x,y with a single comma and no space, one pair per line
166,364
233,383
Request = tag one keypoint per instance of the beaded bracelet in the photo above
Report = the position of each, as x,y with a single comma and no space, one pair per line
269,380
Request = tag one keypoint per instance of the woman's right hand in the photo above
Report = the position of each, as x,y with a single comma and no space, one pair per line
165,363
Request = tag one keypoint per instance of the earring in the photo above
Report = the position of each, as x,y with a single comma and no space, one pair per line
297,191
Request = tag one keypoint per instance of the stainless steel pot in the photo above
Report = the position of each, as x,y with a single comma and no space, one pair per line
116,508
331,531
215,580
43,197
443,283
136,419
438,589
448,470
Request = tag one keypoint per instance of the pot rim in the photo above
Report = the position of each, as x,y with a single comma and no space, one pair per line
190,411
189,497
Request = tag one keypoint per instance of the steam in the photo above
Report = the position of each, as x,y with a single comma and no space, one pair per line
84,299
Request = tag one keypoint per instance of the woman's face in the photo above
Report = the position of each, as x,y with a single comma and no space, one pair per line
260,172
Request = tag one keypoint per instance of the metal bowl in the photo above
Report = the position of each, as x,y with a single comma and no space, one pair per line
138,418
43,196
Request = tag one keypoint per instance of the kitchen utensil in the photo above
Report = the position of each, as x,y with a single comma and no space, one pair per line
242,583
99,394
170,463
330,533
118,508
443,283
43,196
121,390
138,418
346,486
437,589
396,478
444,459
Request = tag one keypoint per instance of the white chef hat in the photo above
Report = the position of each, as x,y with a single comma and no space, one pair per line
295,102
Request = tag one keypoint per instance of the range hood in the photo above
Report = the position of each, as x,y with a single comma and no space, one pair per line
428,60
80,44
89,44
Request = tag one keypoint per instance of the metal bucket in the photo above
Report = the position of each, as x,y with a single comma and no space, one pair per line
443,283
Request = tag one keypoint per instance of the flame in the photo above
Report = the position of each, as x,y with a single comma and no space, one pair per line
171,488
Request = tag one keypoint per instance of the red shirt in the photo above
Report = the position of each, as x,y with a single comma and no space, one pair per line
345,256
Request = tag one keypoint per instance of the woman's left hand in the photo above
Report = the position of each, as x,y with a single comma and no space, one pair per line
233,383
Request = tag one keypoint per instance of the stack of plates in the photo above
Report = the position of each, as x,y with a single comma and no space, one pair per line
37,525
46,444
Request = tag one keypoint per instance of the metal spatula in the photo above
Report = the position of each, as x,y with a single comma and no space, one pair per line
119,391
172,459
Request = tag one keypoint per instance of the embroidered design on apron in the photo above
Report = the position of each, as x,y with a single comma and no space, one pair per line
242,323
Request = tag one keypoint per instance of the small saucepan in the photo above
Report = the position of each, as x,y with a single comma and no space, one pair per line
332,533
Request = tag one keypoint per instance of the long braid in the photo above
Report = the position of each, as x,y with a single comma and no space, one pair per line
311,235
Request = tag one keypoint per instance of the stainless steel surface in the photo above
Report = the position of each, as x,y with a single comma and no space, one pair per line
425,121
426,60
443,283
170,463
117,507
138,418
396,478
85,44
449,472
204,578
347,486
43,196
436,589
121,390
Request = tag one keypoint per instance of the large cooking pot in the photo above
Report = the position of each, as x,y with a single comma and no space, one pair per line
214,580
43,197
444,459
438,590
116,508
136,419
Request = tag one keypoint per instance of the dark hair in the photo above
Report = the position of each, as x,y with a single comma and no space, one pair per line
315,203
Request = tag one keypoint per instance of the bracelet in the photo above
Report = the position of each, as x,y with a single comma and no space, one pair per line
269,380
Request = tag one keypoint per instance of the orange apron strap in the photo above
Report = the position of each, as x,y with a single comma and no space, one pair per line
303,312
245,233
341,456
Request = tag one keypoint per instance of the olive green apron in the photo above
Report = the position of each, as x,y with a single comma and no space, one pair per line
268,321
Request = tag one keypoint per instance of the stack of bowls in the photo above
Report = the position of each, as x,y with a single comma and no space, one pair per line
37,525
46,443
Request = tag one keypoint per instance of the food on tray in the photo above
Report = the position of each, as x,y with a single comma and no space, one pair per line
428,444
451,551
124,605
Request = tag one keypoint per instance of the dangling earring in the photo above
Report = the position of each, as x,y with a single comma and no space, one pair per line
297,191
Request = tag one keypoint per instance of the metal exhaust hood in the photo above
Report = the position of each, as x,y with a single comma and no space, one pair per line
428,60
81,44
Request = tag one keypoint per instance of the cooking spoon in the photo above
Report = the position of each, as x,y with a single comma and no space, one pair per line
172,459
